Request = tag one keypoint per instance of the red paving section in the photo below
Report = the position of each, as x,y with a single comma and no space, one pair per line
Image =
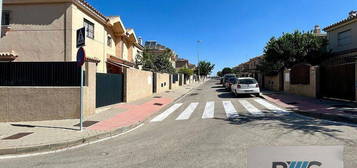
307,104
135,113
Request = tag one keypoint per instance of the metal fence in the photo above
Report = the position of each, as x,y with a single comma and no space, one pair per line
175,78
300,74
39,74
109,89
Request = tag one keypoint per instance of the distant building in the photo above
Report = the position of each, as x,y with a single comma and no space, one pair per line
249,69
181,63
192,66
153,47
317,31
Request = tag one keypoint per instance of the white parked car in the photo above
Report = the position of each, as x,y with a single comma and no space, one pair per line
246,86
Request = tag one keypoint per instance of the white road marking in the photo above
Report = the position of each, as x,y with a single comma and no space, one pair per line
188,111
251,109
230,110
166,113
270,106
209,110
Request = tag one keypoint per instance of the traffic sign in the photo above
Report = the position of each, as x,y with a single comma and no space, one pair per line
81,54
81,38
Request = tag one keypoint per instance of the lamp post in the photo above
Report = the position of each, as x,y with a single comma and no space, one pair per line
198,60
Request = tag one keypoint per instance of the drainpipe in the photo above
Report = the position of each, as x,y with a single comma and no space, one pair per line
65,35
0,17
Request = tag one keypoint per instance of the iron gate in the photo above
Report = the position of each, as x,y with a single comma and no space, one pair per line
154,83
109,89
337,78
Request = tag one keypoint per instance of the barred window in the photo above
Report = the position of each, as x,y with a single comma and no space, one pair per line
5,18
89,26
109,41
344,38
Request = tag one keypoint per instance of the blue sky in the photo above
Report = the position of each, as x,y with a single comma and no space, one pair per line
232,31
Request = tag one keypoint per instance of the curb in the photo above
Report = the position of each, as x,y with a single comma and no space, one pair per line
13,152
64,145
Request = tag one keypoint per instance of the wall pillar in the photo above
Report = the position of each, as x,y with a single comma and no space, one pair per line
90,82
313,82
286,80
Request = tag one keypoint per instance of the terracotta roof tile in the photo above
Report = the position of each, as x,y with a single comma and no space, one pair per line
86,4
89,59
340,22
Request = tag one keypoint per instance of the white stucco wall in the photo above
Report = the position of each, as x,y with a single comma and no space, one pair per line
37,32
333,37
96,47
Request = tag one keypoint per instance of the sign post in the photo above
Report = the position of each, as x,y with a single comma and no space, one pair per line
81,54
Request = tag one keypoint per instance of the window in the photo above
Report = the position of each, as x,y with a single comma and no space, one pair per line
5,18
89,28
109,41
344,38
247,81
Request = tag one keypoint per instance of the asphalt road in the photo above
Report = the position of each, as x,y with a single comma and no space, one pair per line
185,135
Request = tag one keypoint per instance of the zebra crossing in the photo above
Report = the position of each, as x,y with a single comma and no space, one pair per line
247,106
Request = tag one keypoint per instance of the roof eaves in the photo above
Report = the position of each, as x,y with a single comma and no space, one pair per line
91,8
344,21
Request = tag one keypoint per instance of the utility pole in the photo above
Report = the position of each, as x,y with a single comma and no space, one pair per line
198,59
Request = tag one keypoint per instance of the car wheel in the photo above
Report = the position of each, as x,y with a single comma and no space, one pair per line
257,95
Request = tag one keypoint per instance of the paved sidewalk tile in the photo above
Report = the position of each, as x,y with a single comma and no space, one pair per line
135,113
314,107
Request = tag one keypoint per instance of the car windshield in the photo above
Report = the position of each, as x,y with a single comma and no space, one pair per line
229,76
247,81
232,80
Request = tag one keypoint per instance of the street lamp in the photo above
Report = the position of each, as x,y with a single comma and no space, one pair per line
198,59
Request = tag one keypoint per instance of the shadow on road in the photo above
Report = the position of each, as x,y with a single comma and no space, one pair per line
227,94
222,90
290,122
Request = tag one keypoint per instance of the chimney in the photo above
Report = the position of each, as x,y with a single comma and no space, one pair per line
317,29
352,14
140,40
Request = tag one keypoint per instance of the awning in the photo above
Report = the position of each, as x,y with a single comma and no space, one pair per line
120,62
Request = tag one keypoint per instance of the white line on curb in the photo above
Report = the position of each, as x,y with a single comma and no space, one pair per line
66,149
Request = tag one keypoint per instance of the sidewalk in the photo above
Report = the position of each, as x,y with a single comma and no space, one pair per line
318,108
42,136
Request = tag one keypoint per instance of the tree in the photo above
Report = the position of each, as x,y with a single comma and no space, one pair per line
291,49
204,68
156,62
219,73
226,70
186,71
